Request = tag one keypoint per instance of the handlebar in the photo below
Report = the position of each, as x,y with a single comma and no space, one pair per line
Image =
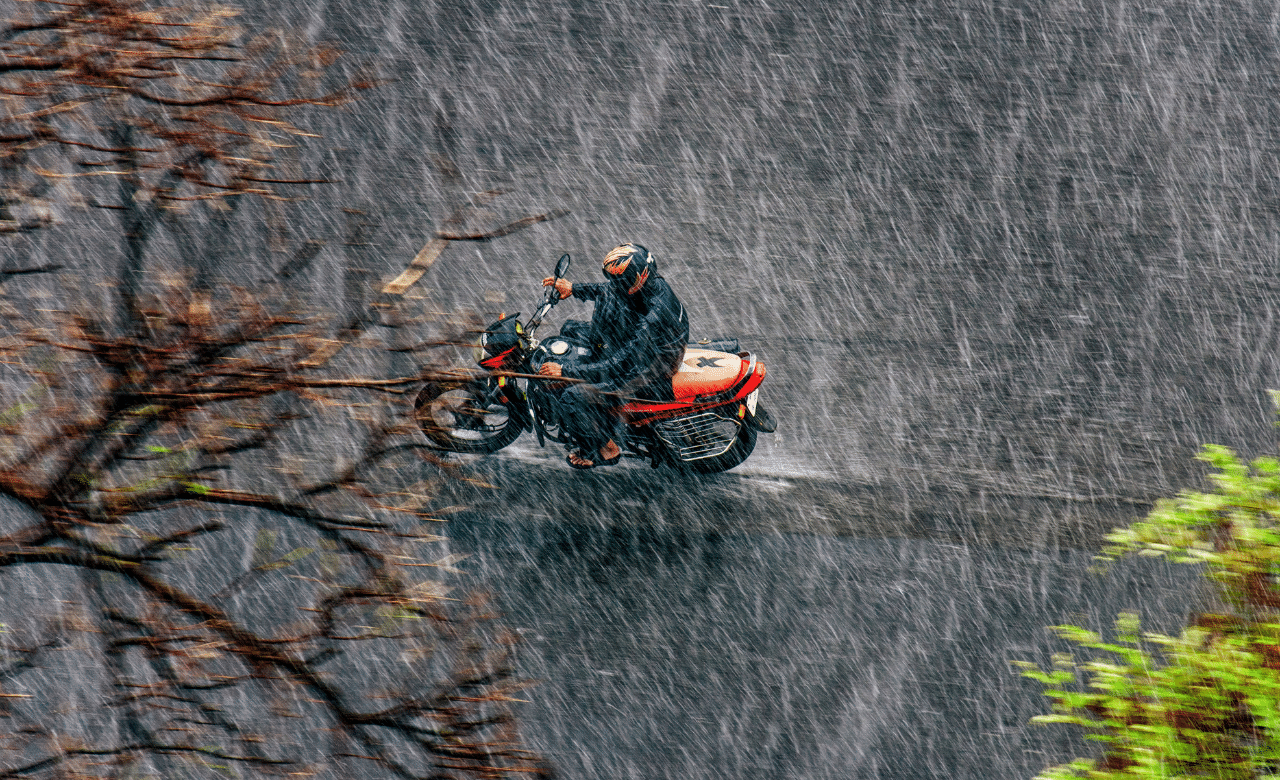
550,296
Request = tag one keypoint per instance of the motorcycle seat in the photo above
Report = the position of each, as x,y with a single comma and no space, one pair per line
705,371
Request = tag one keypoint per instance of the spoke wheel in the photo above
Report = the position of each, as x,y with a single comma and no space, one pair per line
461,417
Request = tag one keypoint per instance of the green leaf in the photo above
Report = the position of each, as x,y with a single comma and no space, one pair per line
1206,702
288,559
16,412
295,555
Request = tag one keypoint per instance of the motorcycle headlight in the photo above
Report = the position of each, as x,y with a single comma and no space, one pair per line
499,337
478,351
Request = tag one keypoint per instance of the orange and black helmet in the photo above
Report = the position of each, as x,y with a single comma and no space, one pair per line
628,267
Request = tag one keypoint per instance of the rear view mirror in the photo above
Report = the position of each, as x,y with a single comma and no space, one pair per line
562,266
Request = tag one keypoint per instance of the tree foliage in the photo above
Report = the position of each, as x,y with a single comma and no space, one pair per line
152,111
1207,702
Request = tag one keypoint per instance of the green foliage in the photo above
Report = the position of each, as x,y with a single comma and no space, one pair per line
1205,703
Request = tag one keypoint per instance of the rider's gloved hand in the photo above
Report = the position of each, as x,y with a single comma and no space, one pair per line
564,287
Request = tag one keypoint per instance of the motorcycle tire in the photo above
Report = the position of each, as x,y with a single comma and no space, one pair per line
742,446
460,417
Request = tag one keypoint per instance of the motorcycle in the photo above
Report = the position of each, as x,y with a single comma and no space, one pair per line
710,425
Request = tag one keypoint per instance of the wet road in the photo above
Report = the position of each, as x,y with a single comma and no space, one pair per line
756,626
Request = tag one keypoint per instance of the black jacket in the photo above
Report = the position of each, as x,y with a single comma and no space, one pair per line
637,339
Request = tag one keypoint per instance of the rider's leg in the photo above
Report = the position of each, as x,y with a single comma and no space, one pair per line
590,422
586,416
608,454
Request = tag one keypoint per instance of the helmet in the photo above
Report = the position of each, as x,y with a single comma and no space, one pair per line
627,267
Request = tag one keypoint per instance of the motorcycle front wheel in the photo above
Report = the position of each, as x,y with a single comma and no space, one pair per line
463,417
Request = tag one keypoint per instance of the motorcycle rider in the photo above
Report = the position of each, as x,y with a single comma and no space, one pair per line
638,332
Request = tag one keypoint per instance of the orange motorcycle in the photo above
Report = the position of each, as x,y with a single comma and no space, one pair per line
710,425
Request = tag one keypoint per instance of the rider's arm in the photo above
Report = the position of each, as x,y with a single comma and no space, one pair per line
638,351
654,331
589,291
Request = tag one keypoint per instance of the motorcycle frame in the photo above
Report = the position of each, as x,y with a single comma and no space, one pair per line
635,412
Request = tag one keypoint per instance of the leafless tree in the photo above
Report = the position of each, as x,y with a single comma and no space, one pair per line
150,111
150,465
246,517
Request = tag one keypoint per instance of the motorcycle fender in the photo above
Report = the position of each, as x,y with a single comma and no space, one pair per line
516,402
760,419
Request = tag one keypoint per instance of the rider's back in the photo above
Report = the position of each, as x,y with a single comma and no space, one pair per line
641,335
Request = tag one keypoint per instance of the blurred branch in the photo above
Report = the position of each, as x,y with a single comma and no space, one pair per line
505,230
136,426
130,431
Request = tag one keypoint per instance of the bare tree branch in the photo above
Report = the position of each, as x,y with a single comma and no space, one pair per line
245,512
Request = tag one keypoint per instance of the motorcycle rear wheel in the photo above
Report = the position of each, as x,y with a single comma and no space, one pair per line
461,417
